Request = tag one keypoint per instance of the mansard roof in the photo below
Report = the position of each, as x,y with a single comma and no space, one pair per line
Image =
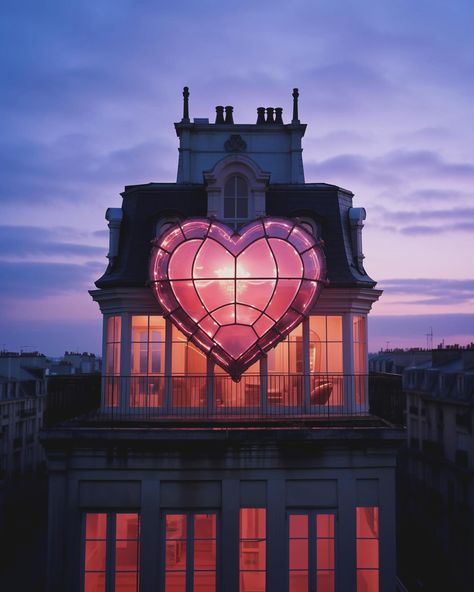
144,205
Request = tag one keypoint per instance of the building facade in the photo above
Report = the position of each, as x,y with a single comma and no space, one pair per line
233,448
436,469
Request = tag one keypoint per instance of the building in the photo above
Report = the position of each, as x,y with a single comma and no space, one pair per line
437,465
22,396
233,448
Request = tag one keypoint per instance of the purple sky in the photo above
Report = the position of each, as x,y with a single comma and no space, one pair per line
90,91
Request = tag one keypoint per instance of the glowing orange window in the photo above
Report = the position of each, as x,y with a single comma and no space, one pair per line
110,535
367,540
311,552
190,552
252,550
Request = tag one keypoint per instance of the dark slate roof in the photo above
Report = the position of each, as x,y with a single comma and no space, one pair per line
144,205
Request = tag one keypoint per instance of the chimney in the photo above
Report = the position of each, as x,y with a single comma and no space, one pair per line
185,105
270,115
220,114
229,118
278,116
296,94
261,116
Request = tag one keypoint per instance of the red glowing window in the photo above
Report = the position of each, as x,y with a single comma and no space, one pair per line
104,531
236,295
367,543
252,549
311,552
190,552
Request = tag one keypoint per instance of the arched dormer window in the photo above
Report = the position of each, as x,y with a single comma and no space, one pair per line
236,189
236,199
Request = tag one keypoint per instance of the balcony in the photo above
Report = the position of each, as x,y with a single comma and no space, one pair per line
217,397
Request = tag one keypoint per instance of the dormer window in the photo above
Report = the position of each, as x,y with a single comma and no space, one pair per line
236,189
236,199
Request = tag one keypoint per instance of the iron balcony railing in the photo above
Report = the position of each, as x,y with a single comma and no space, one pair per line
255,396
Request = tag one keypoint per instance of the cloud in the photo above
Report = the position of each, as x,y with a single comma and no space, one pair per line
72,168
32,241
392,167
456,219
430,290
28,279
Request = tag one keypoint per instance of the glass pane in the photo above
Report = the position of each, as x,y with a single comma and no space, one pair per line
256,261
325,525
252,581
298,554
252,555
95,555
205,526
205,554
181,261
325,553
140,328
334,328
126,526
175,526
229,187
299,581
252,523
334,357
299,526
367,522
229,207
175,582
289,262
367,581
126,555
367,553
317,324
204,581
325,581
126,582
175,555
242,207
241,187
96,526
94,582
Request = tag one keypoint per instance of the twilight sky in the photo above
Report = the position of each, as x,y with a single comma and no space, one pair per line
90,91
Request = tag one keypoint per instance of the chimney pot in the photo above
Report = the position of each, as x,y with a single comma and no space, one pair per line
229,118
270,119
278,116
261,116
220,114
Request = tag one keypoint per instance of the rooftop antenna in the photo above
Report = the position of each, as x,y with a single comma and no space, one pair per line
429,338
387,343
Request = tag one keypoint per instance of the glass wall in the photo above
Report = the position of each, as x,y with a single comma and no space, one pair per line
188,372
169,372
285,371
147,362
360,356
112,360
326,363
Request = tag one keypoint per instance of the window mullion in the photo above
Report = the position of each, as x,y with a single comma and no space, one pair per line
312,552
190,552
110,554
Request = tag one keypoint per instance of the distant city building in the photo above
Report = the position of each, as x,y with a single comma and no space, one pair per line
233,449
437,470
22,401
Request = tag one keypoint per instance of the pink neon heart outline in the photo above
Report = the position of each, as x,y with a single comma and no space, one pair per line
205,229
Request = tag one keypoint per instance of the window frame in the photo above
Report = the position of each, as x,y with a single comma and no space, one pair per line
189,540
312,539
110,547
